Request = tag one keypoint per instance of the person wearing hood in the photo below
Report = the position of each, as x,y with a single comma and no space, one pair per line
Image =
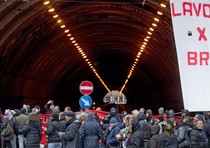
144,126
110,134
185,113
197,136
53,127
32,131
136,139
171,115
149,117
8,140
90,132
156,141
71,134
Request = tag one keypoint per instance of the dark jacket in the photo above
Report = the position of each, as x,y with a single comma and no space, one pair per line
182,137
32,131
110,136
52,131
198,138
11,122
144,126
169,140
156,141
71,135
47,109
90,132
137,137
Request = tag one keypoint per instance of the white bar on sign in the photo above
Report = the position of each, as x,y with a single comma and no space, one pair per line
86,87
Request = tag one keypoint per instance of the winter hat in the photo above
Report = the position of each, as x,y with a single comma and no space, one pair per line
113,121
200,117
161,110
70,114
23,111
113,110
171,113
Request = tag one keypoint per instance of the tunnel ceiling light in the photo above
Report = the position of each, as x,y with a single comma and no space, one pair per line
160,13
59,21
141,50
46,2
55,16
156,19
63,26
163,5
51,10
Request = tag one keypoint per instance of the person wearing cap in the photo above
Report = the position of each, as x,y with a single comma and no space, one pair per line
21,120
197,136
71,135
110,134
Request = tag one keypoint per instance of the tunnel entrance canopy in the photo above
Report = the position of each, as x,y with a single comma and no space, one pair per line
123,41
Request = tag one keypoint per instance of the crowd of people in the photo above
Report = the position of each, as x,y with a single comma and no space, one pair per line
138,129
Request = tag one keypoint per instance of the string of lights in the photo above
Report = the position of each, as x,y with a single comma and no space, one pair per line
72,39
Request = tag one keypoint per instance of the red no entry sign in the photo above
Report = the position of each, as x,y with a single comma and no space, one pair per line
86,87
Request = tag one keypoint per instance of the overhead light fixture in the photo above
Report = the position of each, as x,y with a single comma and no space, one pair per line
51,10
159,13
46,2
55,16
59,21
163,5
153,24
156,19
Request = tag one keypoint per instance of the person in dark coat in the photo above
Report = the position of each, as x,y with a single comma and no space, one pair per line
156,141
8,141
71,135
110,134
144,126
32,131
136,139
149,117
49,106
181,135
169,139
90,132
197,136
53,127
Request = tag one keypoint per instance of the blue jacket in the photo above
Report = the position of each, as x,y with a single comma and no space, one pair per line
110,136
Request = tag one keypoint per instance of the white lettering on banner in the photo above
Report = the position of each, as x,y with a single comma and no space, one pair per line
191,25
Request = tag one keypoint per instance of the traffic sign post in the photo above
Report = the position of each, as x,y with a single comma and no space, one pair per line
85,102
86,87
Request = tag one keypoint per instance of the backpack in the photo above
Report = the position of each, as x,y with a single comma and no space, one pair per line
186,142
